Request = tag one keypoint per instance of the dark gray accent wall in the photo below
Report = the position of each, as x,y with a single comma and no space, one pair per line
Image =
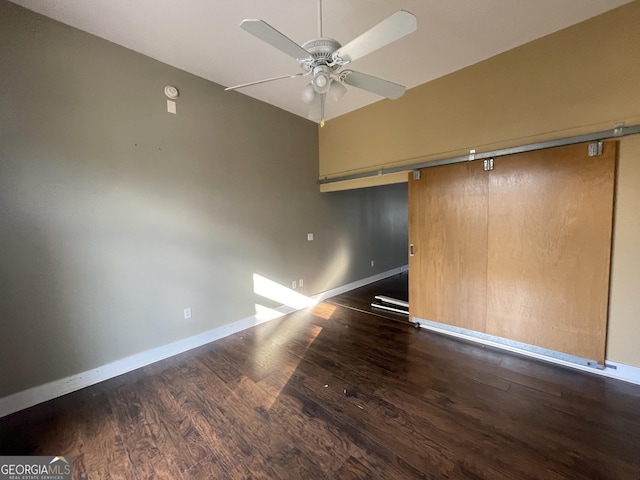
116,215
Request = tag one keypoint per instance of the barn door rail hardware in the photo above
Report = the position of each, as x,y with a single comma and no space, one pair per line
488,164
618,131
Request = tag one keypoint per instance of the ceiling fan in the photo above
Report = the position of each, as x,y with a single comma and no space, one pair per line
322,58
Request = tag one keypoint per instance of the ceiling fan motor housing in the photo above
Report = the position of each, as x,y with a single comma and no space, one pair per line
320,50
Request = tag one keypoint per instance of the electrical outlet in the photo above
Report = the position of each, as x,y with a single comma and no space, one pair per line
372,263
293,285
187,313
309,237
301,283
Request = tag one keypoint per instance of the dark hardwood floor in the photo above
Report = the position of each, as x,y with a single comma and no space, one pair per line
396,286
333,392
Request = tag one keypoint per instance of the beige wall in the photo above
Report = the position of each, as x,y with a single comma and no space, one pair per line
624,304
580,80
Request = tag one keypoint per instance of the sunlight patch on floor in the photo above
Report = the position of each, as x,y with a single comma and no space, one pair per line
323,310
281,380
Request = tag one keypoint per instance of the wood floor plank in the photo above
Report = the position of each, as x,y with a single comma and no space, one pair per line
150,452
274,438
208,467
176,430
325,450
104,444
227,446
352,469
269,441
375,448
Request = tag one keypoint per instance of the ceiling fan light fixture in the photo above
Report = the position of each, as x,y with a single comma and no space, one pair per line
308,93
321,79
337,90
321,83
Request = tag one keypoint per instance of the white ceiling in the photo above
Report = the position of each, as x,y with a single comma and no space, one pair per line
203,37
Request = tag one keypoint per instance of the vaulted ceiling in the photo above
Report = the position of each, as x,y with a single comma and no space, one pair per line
203,36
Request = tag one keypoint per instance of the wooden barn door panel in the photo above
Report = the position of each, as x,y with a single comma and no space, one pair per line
448,229
549,237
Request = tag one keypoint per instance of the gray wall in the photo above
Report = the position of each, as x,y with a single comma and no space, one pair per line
115,215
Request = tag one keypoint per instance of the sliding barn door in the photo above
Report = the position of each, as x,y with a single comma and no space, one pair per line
448,228
520,252
549,248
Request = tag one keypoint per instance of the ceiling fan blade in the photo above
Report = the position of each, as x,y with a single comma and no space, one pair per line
387,31
316,110
236,87
377,85
273,37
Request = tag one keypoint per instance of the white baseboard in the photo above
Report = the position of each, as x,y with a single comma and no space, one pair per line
42,393
615,370
359,283
621,371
